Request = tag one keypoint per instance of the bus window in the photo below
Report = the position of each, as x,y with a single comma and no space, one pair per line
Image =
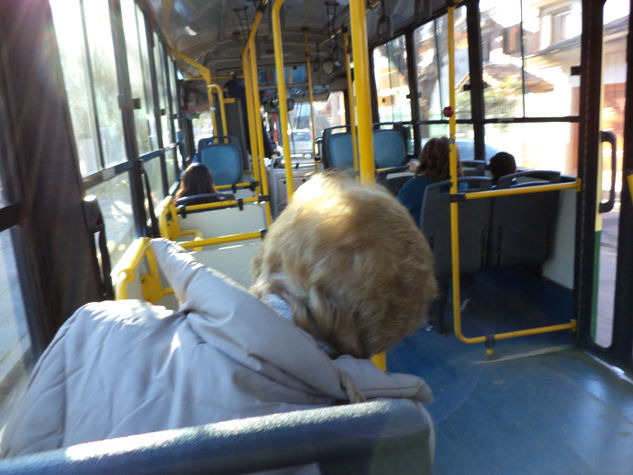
104,81
392,83
432,74
140,83
329,112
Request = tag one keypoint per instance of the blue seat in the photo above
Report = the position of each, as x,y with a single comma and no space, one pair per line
223,156
522,226
391,436
474,221
389,147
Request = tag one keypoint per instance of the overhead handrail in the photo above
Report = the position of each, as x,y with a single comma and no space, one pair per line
350,100
282,95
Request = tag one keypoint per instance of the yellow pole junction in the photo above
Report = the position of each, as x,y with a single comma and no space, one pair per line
282,96
454,218
256,118
206,75
350,100
363,93
312,124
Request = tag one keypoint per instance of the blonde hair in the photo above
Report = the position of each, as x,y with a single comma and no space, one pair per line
348,259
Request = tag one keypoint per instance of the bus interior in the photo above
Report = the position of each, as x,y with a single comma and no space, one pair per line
529,348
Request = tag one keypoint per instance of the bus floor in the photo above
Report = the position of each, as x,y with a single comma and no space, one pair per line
540,405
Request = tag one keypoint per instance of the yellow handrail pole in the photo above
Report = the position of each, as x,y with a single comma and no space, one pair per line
221,240
363,98
312,124
282,95
576,184
629,178
257,121
457,320
248,89
206,75
363,93
220,92
350,100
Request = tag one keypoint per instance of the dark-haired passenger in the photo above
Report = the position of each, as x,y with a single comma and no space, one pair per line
434,166
502,164
197,180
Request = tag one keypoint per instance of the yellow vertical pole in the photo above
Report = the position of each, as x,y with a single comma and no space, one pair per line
282,95
350,100
309,72
457,317
363,99
248,89
257,121
363,93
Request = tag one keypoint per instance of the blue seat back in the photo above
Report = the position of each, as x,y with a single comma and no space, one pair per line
474,221
223,157
340,151
390,148
522,226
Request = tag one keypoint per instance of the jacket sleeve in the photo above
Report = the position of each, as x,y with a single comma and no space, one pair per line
37,421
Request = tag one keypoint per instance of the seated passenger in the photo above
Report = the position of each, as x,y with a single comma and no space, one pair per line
502,164
197,180
434,166
341,275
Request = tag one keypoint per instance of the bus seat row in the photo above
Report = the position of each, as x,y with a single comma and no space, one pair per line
389,147
494,232
389,436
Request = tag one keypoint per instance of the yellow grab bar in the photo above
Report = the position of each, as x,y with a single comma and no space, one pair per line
311,96
524,191
221,239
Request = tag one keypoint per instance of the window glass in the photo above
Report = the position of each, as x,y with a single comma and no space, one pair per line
392,83
548,146
462,68
528,56
148,110
170,163
134,44
105,81
153,171
427,74
202,126
16,354
115,201
174,94
162,90
74,62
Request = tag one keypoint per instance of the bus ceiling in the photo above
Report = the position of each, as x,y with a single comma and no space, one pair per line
213,32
